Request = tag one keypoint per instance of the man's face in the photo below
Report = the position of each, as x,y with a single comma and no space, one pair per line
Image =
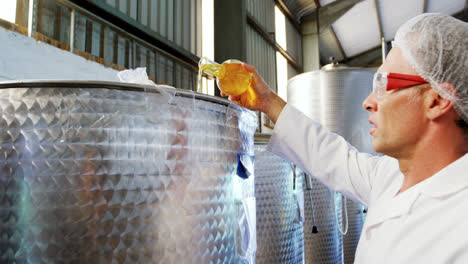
397,116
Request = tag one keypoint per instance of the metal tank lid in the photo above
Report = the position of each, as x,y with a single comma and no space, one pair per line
112,85
336,66
332,66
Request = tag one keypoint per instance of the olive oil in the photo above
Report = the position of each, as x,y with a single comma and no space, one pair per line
231,77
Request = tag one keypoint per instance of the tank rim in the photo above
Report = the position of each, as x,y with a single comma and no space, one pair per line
357,69
111,85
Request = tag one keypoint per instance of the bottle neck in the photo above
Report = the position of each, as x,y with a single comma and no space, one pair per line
213,70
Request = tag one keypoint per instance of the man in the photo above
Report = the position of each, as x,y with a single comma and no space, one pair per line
417,194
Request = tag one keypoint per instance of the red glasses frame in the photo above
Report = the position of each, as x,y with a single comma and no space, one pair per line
387,81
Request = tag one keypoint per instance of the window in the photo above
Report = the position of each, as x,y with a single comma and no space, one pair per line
89,36
53,23
8,10
281,62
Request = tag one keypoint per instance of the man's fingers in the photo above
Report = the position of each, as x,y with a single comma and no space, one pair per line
249,68
257,78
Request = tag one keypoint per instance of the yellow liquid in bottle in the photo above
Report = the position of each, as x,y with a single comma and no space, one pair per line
232,78
211,69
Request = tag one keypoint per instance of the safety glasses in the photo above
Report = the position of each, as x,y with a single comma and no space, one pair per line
387,81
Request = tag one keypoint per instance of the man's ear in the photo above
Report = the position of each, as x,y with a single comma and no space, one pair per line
436,105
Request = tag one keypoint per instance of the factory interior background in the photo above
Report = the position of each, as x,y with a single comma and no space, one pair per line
190,205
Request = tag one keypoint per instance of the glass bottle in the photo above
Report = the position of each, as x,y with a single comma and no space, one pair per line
231,77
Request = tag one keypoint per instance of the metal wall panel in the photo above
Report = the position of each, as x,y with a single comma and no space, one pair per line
112,3
97,40
163,69
263,11
178,21
153,15
143,12
195,27
292,71
122,6
170,20
293,42
174,20
162,18
132,11
261,54
186,34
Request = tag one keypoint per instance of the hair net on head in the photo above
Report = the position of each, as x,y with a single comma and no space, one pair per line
436,46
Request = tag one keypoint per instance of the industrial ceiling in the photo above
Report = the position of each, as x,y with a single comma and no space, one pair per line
352,30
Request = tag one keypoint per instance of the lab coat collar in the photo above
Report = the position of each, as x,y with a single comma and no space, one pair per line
445,182
392,206
449,180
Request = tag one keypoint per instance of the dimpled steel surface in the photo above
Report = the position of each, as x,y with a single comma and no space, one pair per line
355,223
118,176
279,228
326,245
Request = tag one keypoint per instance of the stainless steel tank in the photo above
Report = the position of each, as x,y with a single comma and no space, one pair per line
280,235
333,96
305,94
342,91
324,246
97,172
356,217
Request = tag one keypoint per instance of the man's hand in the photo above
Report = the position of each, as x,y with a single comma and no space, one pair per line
260,97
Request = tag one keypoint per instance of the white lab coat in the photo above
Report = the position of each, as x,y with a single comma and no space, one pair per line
427,223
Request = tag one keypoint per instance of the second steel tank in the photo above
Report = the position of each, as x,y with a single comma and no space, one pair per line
333,96
279,196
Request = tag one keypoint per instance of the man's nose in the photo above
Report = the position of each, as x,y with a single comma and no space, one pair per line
370,103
